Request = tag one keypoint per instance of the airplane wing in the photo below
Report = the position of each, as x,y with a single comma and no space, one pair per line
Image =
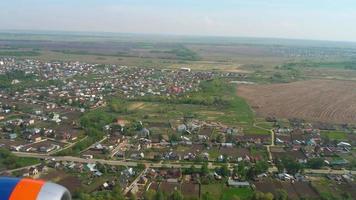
29,189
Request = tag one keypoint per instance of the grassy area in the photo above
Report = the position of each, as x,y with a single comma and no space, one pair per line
265,125
214,154
242,193
216,101
9,161
256,130
215,190
334,135
23,162
327,189
221,191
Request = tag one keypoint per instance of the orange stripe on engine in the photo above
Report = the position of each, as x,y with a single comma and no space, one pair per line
27,189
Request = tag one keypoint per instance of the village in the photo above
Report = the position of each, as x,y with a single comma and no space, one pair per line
72,121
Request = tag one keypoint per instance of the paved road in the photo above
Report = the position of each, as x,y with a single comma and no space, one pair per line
211,165
110,162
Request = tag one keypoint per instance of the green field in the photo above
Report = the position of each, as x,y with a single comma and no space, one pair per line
215,190
242,193
334,135
256,130
220,191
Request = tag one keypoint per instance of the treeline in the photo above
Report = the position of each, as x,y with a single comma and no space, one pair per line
184,53
20,53
9,161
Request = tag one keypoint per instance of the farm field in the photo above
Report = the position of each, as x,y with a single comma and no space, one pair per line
315,100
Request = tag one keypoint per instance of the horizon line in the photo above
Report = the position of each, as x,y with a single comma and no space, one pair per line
102,33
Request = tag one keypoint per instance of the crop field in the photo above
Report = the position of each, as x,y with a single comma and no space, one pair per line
315,100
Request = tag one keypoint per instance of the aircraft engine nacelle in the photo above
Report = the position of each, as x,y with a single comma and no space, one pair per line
29,189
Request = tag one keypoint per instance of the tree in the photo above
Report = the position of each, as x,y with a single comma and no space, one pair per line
207,196
224,171
235,197
141,166
174,137
241,170
100,167
117,193
133,196
261,166
251,172
220,138
177,195
149,195
315,163
204,169
159,195
262,196
281,195
289,164
346,196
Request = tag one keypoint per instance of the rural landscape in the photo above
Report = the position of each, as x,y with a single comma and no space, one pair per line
118,116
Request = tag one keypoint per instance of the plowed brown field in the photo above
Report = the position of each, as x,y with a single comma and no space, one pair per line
316,100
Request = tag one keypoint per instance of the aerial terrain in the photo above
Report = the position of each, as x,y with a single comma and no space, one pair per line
135,116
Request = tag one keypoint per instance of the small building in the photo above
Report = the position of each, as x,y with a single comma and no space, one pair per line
33,171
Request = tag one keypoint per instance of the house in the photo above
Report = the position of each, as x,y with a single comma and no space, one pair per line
182,128
16,148
33,171
227,145
91,167
48,149
344,145
88,156
98,174
36,138
285,176
121,122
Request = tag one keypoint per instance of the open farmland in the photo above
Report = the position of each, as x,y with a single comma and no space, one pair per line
316,100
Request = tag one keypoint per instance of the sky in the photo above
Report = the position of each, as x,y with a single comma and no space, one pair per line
299,19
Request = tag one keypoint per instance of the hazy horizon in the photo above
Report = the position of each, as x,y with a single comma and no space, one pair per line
317,20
